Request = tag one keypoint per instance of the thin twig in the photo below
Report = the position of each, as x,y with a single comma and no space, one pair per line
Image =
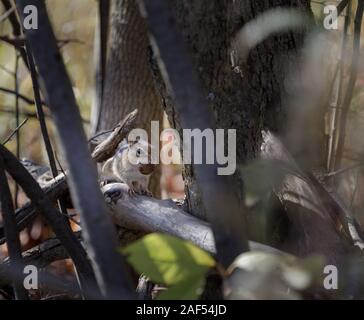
6,70
14,132
343,170
15,25
43,125
28,114
64,42
102,133
17,120
6,14
59,163
19,95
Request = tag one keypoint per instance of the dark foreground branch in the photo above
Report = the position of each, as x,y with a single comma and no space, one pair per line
53,217
109,266
12,235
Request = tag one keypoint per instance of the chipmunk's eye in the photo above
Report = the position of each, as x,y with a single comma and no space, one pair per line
138,153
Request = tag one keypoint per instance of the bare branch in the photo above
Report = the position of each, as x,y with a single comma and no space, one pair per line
17,120
19,95
147,214
27,114
15,131
107,148
43,125
15,25
6,14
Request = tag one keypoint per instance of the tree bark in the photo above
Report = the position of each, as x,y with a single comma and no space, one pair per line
248,97
128,83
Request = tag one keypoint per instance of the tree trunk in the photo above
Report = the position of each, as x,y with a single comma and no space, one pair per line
128,82
247,97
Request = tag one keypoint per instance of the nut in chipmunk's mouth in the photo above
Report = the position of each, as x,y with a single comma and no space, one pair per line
146,168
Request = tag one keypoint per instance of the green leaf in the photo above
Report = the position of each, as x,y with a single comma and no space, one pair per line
168,260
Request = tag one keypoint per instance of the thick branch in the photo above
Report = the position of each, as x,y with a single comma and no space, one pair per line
148,214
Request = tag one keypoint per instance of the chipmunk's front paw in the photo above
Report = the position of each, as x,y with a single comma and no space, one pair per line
132,192
112,195
114,192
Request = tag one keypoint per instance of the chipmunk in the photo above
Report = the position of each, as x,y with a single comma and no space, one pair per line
135,174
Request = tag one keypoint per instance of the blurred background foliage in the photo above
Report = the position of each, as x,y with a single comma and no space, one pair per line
73,21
